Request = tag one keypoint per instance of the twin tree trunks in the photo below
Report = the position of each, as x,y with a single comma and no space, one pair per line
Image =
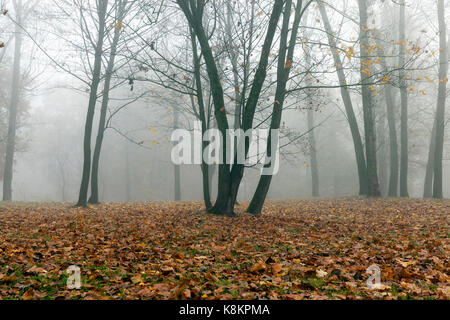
230,176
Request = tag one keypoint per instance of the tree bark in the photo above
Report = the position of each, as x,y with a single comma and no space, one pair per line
82,199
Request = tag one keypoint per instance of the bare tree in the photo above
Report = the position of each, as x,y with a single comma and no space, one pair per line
345,94
229,178
121,8
285,62
100,13
15,94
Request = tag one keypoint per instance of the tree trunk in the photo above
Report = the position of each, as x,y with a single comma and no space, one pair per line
82,199
314,169
225,198
351,118
176,168
440,110
382,149
429,175
393,142
392,124
404,105
313,156
128,172
229,180
15,98
218,97
285,62
203,119
369,128
94,199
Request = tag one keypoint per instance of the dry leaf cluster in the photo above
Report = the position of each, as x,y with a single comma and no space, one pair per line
308,249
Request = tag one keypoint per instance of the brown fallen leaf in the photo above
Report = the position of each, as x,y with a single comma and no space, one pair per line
276,268
210,276
292,296
137,279
178,255
146,292
29,294
260,266
166,270
36,270
186,294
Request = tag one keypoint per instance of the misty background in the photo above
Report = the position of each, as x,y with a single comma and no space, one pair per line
135,163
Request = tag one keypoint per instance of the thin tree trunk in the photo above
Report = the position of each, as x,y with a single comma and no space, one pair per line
203,119
63,179
218,97
404,105
351,118
313,156
176,168
440,110
382,150
392,125
82,199
369,128
314,169
429,175
15,98
94,199
128,172
393,143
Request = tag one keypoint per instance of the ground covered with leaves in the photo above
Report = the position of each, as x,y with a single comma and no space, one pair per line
306,249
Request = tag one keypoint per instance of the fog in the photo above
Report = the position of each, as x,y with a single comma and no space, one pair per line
149,86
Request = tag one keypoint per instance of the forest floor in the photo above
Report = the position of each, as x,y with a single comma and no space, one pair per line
304,249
